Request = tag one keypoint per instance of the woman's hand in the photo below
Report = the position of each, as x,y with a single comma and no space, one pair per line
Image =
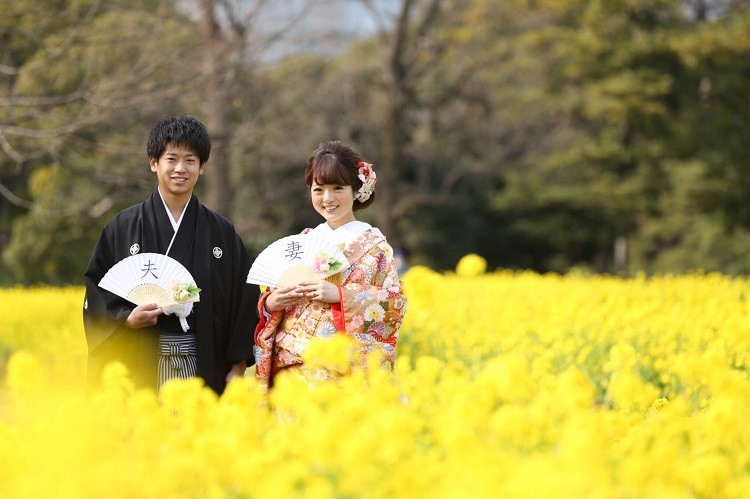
319,290
281,298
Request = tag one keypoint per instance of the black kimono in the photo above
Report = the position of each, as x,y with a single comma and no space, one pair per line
224,319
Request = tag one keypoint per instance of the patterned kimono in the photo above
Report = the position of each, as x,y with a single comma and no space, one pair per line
371,309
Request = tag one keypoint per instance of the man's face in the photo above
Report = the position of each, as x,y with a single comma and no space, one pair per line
177,170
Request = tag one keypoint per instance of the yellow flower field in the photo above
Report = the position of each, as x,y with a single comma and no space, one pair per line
507,385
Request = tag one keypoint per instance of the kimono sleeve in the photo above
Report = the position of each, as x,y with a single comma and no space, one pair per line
103,312
244,317
372,303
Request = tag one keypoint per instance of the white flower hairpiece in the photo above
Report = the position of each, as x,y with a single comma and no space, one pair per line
368,178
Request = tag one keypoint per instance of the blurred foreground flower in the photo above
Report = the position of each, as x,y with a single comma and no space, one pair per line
471,265
25,375
568,386
335,354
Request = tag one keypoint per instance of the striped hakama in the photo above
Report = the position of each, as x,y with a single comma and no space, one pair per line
177,356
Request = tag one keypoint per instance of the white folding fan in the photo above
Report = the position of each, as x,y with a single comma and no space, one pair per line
296,258
154,278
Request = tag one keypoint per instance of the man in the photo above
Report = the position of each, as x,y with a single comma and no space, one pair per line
218,344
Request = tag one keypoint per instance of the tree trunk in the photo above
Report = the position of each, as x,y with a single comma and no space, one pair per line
396,130
217,178
219,192
388,176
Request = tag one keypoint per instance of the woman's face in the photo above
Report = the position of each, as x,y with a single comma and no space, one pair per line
334,203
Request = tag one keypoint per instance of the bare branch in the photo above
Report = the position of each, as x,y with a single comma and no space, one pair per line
8,194
381,19
10,150
101,207
428,21
400,39
46,101
36,133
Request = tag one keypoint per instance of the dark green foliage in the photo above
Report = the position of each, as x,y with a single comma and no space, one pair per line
536,134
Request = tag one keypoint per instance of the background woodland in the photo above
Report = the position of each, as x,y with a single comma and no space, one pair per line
608,136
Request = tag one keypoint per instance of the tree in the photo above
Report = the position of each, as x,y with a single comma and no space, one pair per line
540,134
607,78
109,79
408,36
79,80
704,223
236,35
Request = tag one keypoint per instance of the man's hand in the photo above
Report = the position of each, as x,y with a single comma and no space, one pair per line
237,371
143,316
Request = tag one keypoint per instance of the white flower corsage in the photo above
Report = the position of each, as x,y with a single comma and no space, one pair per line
183,294
324,263
184,291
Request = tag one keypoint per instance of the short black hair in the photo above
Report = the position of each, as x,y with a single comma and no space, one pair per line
183,131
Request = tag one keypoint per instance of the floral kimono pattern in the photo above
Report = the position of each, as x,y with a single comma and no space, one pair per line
371,311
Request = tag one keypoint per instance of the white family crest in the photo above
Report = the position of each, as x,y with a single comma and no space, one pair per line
135,248
217,252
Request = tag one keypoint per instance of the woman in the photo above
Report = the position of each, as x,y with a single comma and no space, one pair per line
364,301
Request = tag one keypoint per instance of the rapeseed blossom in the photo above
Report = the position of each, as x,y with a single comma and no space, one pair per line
471,265
506,384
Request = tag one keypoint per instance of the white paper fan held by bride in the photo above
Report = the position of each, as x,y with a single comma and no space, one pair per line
296,258
154,278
